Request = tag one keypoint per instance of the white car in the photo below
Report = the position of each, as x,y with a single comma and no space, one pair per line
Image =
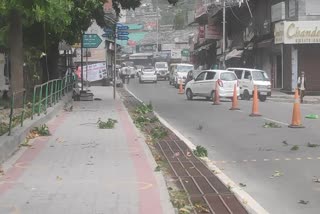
248,78
162,70
204,85
180,72
148,75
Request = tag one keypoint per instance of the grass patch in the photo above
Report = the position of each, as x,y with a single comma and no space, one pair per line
200,151
179,200
159,133
110,124
294,148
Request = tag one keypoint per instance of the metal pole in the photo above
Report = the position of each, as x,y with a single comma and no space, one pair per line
157,27
87,68
81,62
224,35
115,62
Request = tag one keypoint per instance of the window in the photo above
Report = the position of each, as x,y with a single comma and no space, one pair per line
201,76
228,76
210,75
238,73
247,75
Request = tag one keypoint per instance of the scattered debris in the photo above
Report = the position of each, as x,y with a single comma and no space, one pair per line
201,208
68,107
59,178
177,154
285,143
200,127
312,145
294,148
188,153
25,143
106,125
315,179
271,125
277,174
242,185
157,169
312,116
42,130
303,202
1,171
200,151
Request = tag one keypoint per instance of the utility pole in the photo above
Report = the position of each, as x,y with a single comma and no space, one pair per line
82,62
224,35
115,61
157,27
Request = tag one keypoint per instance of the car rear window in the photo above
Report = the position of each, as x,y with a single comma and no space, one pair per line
228,76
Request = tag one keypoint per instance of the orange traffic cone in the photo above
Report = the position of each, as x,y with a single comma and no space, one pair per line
180,88
296,115
255,104
216,100
235,99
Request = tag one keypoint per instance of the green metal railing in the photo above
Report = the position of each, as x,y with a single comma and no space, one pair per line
12,104
45,95
49,94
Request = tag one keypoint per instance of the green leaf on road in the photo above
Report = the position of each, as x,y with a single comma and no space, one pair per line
294,148
312,116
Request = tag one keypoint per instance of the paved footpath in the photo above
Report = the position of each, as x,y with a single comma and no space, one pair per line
81,169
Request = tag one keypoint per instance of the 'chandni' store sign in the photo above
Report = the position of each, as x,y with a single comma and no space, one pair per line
300,32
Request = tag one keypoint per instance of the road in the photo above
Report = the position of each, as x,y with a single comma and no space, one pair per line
244,150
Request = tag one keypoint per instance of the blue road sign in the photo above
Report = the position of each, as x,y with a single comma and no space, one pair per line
107,35
124,27
119,24
107,30
123,38
123,33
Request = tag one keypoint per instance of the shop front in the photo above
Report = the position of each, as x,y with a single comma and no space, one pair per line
300,48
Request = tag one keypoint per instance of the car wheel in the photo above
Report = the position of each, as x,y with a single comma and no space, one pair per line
262,98
189,94
246,95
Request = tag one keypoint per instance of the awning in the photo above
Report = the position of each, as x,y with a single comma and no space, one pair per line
234,54
265,43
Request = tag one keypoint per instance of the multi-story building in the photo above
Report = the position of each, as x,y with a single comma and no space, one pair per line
280,36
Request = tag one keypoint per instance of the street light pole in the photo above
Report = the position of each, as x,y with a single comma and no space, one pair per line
157,27
224,35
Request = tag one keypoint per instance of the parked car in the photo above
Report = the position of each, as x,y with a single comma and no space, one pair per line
148,75
204,85
162,70
178,73
248,78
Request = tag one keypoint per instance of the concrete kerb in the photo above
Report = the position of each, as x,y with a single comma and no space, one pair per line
10,144
164,196
245,199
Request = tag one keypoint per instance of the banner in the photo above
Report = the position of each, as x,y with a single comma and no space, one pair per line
96,72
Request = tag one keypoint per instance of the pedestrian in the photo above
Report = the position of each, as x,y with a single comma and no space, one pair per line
301,85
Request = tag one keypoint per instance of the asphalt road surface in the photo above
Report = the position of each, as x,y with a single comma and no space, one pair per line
275,164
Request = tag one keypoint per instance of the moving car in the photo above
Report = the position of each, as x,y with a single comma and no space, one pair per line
148,75
162,70
204,85
178,73
248,78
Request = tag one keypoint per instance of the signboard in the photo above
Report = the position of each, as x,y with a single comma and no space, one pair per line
212,32
91,41
278,11
185,52
123,27
176,54
123,37
167,47
123,33
300,32
96,72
